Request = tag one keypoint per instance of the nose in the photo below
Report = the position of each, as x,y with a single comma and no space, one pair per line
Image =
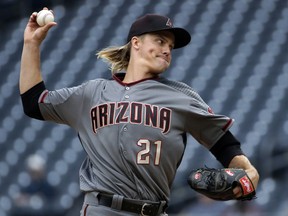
167,50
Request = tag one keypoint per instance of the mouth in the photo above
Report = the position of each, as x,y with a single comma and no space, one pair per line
165,58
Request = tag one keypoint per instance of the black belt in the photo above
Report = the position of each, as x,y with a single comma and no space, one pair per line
135,206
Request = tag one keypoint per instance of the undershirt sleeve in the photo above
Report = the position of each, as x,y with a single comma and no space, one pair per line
226,148
30,101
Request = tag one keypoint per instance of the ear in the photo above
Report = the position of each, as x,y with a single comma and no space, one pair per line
135,42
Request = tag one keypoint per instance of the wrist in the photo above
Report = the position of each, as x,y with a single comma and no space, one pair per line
32,44
240,161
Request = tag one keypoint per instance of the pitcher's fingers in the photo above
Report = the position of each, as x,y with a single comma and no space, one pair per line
48,26
33,16
237,192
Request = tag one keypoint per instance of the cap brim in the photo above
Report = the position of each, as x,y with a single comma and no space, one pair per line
182,37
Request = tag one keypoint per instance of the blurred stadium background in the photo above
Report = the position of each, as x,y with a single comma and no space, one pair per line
237,61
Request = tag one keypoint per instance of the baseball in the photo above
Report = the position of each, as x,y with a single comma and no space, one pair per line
44,17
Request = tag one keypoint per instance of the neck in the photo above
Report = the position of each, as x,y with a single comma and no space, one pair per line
134,74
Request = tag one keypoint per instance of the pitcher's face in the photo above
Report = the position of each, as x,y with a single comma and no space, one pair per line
155,51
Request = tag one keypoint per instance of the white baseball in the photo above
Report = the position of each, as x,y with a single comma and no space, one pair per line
44,17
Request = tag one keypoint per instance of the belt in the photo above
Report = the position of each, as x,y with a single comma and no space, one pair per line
144,208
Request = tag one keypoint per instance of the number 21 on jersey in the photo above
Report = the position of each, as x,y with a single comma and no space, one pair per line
144,156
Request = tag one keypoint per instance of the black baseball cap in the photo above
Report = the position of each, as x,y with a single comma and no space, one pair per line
153,22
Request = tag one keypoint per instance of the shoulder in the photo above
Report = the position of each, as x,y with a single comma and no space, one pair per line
80,89
94,81
182,88
93,84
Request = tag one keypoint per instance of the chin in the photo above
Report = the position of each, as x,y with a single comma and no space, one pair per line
160,67
163,67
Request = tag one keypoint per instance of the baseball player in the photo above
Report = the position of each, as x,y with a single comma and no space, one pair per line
133,126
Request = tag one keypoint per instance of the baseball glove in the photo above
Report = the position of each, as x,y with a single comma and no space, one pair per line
218,184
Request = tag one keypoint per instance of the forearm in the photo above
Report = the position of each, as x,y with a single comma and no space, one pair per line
30,72
226,148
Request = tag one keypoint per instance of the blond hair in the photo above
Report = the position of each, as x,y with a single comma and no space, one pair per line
117,57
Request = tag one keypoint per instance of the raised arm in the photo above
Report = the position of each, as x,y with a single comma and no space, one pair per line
30,71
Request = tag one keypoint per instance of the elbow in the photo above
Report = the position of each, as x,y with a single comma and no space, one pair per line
30,101
33,112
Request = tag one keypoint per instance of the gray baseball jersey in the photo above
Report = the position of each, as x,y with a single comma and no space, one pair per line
134,135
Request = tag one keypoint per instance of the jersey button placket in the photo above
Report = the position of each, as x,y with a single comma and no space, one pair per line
127,88
125,128
126,97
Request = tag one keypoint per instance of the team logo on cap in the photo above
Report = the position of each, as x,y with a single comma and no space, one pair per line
169,23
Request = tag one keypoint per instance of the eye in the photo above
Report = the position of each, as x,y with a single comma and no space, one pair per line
160,41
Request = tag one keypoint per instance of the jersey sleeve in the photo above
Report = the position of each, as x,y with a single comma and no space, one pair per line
65,106
200,121
204,125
